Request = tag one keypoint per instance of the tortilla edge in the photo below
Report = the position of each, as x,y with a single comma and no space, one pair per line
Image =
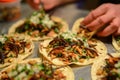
54,18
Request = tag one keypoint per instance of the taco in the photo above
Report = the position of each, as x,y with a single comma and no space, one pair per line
79,29
116,42
39,26
14,48
67,48
35,69
106,68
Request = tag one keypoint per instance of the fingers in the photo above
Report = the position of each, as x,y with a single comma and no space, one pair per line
100,21
105,14
117,32
47,4
50,4
34,3
94,14
112,28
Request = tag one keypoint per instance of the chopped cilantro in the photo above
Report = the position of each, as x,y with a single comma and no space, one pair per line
30,72
41,79
11,55
87,57
84,39
6,38
79,56
29,33
68,40
49,72
42,11
59,55
26,27
40,22
35,13
41,67
75,51
56,30
83,51
117,65
118,38
75,60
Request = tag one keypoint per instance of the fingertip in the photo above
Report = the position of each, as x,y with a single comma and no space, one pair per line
36,1
91,27
84,22
88,19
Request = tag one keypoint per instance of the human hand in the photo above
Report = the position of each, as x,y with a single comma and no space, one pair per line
34,4
47,4
50,4
105,14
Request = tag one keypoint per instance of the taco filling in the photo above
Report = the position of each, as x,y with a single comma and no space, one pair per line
33,71
111,70
39,24
68,48
83,32
11,47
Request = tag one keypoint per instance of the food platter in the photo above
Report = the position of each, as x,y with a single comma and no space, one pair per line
81,73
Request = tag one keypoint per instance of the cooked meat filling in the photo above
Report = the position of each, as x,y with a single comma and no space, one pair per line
11,48
71,49
39,24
